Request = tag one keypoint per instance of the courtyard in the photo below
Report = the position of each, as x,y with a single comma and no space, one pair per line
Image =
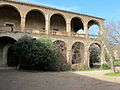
78,80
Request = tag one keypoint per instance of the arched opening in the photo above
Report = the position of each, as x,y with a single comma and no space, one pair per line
10,18
7,57
35,21
61,45
77,26
93,28
57,23
78,51
94,55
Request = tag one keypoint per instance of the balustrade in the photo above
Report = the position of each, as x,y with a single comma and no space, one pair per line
44,32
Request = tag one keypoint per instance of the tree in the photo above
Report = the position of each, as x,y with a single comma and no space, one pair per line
112,40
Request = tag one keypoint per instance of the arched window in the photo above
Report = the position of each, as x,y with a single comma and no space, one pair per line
94,56
10,18
77,52
93,28
77,25
61,45
35,21
57,23
7,57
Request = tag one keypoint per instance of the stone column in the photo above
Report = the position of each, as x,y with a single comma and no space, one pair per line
102,31
86,30
68,27
86,57
102,56
102,37
47,24
69,61
22,24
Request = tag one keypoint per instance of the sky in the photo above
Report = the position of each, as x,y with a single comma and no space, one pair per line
107,9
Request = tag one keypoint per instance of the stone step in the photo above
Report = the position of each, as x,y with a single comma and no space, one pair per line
7,68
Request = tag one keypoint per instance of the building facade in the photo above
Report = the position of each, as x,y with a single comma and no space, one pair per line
19,18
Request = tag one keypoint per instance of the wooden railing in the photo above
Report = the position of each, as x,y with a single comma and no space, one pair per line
44,32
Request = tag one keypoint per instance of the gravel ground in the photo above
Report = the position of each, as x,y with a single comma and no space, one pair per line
83,80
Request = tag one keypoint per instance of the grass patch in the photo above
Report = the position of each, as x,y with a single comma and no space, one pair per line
112,74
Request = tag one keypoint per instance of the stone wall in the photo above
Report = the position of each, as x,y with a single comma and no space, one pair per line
26,15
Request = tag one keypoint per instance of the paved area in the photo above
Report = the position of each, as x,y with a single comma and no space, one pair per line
83,80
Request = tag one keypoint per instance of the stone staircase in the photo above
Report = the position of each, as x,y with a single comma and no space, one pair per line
6,68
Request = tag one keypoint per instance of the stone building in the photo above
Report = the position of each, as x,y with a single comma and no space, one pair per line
19,18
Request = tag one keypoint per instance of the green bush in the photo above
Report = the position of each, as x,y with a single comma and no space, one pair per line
40,54
61,61
105,66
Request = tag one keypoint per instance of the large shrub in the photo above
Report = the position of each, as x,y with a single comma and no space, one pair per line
39,54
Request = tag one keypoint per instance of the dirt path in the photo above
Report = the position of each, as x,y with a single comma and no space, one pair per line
91,80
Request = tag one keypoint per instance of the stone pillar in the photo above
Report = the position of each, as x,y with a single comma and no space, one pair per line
102,31
69,61
22,24
68,27
86,57
47,24
102,56
102,37
86,30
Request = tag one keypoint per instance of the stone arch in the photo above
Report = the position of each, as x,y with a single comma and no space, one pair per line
94,55
78,51
14,6
58,22
62,48
39,10
94,27
10,17
7,58
11,36
77,25
35,21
